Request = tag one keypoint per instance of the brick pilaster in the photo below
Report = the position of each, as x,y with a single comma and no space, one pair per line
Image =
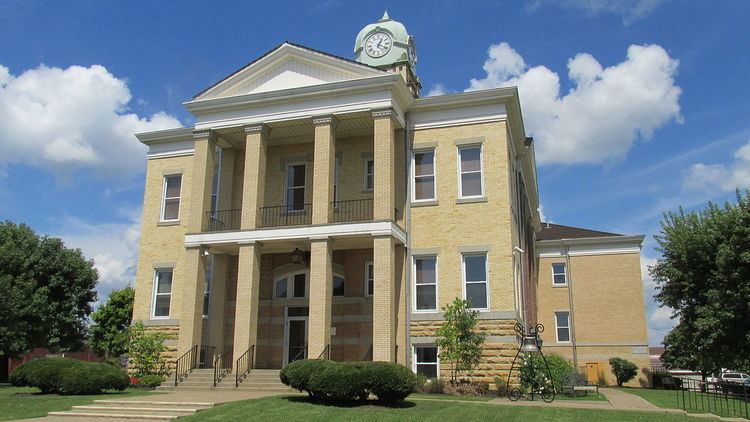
323,168
321,291
248,293
384,301
254,185
384,154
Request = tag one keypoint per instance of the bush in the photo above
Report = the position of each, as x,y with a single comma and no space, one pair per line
92,378
145,353
148,381
559,367
434,386
501,385
467,388
348,381
421,381
42,373
623,370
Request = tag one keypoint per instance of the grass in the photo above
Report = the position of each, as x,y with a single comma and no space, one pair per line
449,397
698,402
297,408
25,402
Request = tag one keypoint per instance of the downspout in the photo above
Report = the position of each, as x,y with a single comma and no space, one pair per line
569,270
407,254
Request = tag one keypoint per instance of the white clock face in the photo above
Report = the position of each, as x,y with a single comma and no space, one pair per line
378,44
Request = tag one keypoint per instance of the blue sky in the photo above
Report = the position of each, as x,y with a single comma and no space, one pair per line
652,115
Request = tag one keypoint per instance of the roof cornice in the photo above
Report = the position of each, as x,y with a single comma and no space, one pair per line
599,240
166,135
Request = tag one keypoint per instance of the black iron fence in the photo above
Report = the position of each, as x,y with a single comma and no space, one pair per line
206,356
286,215
353,210
224,220
726,399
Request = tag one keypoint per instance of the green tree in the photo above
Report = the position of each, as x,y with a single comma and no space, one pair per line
145,354
704,276
47,290
109,332
459,344
623,370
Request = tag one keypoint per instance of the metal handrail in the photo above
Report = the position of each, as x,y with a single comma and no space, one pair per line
352,210
222,364
367,353
246,361
206,356
219,220
302,353
326,353
184,364
286,215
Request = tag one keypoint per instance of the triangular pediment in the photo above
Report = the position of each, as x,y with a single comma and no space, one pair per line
288,66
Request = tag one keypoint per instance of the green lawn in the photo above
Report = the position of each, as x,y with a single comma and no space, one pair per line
297,408
590,397
698,402
23,402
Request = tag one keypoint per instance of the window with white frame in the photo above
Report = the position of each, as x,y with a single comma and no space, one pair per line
207,284
295,187
162,292
338,285
216,180
559,275
475,280
335,182
562,323
426,361
423,180
170,206
369,279
470,171
369,182
290,286
425,283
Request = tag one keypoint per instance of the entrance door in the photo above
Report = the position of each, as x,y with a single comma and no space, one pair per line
295,335
592,372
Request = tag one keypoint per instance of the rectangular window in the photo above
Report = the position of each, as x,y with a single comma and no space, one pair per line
475,280
562,323
369,279
215,186
559,276
338,285
423,164
295,187
281,289
292,286
170,207
425,283
470,171
300,284
207,289
426,361
162,292
369,174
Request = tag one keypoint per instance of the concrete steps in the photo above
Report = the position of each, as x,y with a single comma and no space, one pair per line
264,380
132,410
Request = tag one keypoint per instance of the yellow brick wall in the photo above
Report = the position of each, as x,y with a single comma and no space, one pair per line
449,226
609,311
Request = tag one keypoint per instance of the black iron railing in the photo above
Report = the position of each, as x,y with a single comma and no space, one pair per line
222,365
326,353
368,355
224,220
301,353
243,365
286,215
726,399
185,364
206,356
354,210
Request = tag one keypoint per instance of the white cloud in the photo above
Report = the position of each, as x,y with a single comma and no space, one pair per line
630,10
542,216
112,245
603,115
646,263
66,119
437,89
726,178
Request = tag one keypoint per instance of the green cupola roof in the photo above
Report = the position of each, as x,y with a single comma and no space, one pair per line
398,46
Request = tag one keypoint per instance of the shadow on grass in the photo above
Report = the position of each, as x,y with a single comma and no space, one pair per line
306,399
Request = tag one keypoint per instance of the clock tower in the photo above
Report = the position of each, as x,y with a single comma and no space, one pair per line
387,45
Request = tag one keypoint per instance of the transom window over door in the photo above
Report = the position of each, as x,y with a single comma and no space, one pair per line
171,202
290,286
425,283
475,280
470,171
162,292
423,186
295,187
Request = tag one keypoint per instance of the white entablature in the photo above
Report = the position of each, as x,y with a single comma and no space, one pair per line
288,66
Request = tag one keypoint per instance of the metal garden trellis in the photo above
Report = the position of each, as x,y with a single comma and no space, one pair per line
531,344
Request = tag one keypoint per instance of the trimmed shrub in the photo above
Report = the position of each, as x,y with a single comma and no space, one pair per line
623,370
42,373
559,367
148,381
92,378
390,382
348,381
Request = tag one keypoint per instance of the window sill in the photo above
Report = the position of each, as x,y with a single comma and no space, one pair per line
555,286
168,223
471,200
429,203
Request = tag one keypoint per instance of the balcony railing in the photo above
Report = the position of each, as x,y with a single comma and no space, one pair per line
286,215
354,210
224,220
